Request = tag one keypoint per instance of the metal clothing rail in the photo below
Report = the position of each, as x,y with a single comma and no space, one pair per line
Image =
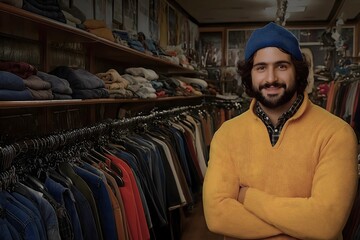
50,143
154,115
58,141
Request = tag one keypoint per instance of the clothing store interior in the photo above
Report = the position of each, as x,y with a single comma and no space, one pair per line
106,133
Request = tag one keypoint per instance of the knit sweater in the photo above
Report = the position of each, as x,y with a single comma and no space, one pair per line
303,186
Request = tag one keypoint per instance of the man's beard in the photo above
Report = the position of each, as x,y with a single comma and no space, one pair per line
274,101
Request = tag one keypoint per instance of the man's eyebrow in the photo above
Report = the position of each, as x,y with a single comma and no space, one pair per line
276,63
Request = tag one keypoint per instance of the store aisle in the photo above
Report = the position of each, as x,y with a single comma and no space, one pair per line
194,226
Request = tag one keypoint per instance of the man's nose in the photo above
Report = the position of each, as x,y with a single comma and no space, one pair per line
271,75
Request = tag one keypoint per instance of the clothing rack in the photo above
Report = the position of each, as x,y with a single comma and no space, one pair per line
153,115
92,133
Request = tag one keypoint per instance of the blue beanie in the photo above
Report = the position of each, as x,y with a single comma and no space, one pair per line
273,35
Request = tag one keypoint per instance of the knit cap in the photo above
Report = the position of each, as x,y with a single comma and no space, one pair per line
273,35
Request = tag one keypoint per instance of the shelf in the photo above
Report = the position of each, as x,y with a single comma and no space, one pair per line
28,119
35,27
77,102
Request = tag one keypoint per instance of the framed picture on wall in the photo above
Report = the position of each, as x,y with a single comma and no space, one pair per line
154,9
86,7
143,17
100,10
118,12
210,49
236,41
172,26
130,15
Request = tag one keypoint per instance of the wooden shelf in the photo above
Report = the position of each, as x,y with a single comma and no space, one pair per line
35,27
77,102
29,119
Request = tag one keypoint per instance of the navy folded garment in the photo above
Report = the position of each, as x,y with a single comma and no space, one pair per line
12,95
11,81
46,8
90,93
58,85
78,78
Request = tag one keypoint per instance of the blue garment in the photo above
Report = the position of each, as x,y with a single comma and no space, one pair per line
58,85
22,203
11,81
136,44
172,197
33,210
93,170
50,9
12,95
22,222
90,93
102,200
157,173
180,148
7,231
78,78
85,215
64,196
47,211
4,229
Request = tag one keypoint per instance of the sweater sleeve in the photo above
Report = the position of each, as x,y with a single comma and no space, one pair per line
223,213
324,214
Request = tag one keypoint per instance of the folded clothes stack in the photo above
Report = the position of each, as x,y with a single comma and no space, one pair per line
84,84
12,88
115,84
60,87
98,28
46,8
40,89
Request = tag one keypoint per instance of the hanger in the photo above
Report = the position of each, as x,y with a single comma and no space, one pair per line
120,182
56,176
33,183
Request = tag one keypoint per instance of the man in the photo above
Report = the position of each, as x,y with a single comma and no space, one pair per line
286,168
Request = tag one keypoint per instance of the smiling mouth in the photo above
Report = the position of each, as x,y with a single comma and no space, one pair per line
272,86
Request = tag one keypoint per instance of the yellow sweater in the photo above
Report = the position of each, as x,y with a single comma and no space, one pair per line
303,187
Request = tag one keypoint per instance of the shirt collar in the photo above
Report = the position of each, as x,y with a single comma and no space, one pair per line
285,116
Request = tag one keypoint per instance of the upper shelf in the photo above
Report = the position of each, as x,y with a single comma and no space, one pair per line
28,25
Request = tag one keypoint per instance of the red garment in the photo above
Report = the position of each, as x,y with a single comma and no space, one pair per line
22,69
134,209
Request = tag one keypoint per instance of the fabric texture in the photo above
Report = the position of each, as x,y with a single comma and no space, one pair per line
311,172
273,35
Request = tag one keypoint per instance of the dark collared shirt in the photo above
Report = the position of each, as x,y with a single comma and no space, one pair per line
274,131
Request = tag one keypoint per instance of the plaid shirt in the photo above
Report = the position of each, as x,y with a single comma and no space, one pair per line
274,131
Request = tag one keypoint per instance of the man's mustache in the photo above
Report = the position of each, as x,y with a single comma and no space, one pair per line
275,84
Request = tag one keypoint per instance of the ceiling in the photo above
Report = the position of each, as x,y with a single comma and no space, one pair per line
252,12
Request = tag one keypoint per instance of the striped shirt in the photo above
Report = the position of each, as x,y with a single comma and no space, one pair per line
274,131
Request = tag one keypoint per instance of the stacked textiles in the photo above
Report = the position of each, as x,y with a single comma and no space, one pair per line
84,84
140,86
140,81
46,8
40,89
12,88
195,85
60,87
98,28
115,84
